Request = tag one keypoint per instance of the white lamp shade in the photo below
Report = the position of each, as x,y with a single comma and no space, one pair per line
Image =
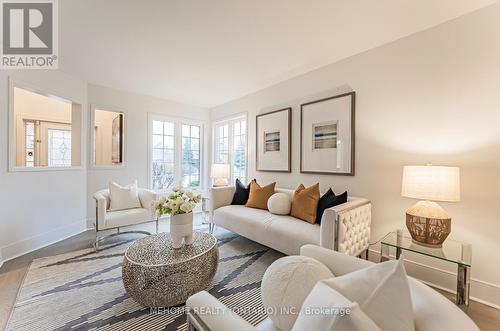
219,170
433,183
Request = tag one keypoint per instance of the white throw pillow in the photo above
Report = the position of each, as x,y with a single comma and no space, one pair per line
383,292
279,204
123,197
327,310
285,286
392,296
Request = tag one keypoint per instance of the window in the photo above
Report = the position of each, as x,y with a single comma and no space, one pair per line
190,155
176,154
239,162
108,137
230,146
59,148
46,131
222,143
29,145
163,165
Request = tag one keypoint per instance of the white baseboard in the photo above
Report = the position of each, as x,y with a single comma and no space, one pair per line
28,245
1,258
481,291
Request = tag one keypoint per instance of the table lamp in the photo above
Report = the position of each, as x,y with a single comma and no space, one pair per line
220,172
429,224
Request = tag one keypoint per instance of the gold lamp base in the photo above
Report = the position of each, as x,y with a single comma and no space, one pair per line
429,224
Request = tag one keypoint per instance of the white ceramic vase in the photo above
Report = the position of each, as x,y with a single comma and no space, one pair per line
181,229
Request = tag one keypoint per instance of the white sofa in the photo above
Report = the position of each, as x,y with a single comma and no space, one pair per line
106,219
431,310
344,228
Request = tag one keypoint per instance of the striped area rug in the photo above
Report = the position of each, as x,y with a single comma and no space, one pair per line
83,290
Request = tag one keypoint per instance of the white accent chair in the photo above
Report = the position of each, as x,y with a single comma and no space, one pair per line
106,219
344,228
431,310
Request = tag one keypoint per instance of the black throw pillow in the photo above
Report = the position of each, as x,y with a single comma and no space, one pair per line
328,200
241,194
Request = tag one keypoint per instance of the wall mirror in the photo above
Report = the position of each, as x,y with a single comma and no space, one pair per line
108,137
45,130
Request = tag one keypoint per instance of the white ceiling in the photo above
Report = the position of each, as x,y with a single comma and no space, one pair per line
208,52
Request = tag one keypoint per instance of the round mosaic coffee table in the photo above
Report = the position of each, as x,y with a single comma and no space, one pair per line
157,275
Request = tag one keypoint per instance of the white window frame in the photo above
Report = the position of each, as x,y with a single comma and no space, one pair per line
231,120
178,122
13,83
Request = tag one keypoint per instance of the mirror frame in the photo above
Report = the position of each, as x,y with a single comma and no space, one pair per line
17,83
92,165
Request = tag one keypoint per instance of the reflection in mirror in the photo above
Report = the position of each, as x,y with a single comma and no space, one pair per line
46,130
108,137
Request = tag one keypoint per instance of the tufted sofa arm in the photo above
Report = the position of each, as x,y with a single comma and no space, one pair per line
346,228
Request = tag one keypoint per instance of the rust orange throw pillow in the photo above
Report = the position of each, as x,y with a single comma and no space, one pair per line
259,195
305,203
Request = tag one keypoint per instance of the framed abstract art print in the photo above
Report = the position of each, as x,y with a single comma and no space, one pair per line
273,136
327,135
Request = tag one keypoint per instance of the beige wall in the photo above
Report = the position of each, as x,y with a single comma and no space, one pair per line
39,207
431,97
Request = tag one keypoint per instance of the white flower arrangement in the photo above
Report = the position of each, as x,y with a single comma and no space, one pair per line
179,202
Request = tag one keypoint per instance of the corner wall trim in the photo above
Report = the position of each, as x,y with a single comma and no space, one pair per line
33,243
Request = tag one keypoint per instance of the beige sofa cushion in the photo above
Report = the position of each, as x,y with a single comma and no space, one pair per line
281,232
127,217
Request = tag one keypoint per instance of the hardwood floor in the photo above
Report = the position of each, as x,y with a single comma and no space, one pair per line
487,318
12,274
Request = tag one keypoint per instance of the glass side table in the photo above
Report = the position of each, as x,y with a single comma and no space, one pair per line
452,251
206,214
